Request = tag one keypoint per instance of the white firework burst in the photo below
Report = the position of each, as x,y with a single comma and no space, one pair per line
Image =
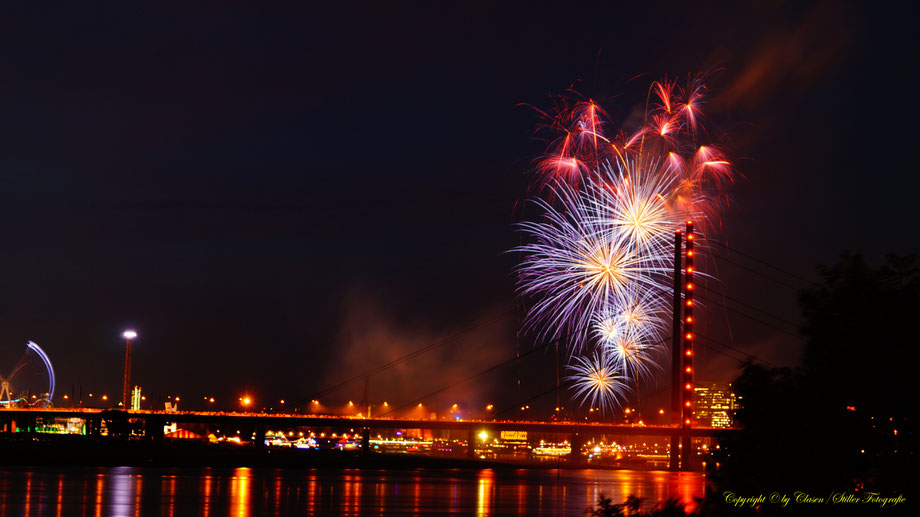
596,381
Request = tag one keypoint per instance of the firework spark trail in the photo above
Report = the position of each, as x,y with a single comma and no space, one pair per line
671,133
598,261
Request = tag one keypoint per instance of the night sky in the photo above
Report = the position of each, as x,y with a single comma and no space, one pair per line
277,199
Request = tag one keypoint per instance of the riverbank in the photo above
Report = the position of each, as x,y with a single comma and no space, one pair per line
37,449
21,450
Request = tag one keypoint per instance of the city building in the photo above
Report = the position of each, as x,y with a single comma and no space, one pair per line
136,398
714,405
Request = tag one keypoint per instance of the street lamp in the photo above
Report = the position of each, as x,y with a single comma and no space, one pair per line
128,335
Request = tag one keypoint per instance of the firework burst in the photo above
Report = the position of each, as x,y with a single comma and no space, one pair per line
598,258
596,381
640,315
580,261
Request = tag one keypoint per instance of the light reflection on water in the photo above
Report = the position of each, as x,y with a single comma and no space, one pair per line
244,492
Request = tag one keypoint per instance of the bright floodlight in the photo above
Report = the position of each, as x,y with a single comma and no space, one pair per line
129,334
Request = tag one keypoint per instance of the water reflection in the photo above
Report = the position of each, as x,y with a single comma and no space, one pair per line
206,482
239,492
122,496
484,500
100,492
242,492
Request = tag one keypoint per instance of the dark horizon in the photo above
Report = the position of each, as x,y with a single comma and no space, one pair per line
279,199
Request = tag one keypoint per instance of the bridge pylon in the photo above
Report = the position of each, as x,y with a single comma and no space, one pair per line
682,352
674,462
688,337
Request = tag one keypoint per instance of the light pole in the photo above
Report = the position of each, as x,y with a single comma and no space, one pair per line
126,393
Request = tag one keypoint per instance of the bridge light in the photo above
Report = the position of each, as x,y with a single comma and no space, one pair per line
689,303
690,286
689,353
689,386
689,319
689,369
489,407
483,436
690,269
689,336
689,253
660,411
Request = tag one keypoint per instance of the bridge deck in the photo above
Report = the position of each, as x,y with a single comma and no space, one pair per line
276,419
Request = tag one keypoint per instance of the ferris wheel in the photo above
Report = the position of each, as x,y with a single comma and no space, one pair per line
31,381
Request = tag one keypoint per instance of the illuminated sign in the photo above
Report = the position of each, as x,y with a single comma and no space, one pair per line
514,435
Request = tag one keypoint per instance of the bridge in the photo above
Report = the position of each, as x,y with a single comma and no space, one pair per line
684,347
258,423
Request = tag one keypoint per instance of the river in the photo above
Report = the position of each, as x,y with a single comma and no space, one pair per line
241,492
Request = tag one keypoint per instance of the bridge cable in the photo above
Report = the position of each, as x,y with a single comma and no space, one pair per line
765,263
751,307
758,273
752,318
554,388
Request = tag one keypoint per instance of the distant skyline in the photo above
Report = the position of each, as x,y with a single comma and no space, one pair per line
277,199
